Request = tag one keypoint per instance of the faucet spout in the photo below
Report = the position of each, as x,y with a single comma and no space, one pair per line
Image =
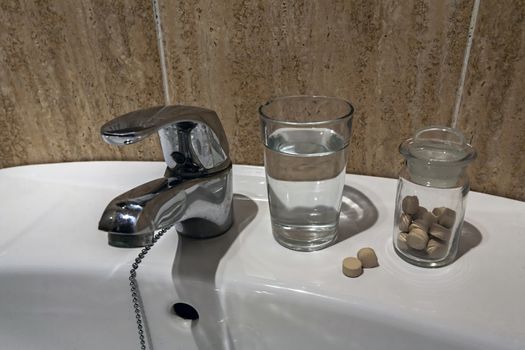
200,208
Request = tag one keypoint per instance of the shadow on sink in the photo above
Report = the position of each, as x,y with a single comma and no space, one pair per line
470,238
194,270
358,214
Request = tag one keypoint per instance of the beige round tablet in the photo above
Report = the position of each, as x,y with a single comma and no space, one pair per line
438,211
436,249
447,218
352,267
420,212
404,222
420,224
368,257
417,239
429,218
410,205
402,241
440,232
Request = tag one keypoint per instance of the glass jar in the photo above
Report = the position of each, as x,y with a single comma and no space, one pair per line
431,196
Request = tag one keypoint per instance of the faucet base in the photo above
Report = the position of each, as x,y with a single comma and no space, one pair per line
200,207
194,228
129,241
202,229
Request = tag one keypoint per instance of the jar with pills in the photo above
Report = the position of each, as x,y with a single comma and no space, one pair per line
431,196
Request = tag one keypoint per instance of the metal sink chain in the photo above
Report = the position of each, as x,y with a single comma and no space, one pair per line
135,292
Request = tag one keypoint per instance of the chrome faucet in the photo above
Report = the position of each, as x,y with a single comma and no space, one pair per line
196,190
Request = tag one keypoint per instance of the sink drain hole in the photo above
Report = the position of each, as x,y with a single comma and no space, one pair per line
185,311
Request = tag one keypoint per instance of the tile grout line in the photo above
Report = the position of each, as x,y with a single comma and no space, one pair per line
160,44
464,67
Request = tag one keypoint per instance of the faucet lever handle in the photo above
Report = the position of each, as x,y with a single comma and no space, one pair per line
192,132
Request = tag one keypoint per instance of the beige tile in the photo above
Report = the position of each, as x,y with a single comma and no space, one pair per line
67,67
493,108
397,61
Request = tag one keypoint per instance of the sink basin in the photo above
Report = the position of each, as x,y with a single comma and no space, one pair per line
63,287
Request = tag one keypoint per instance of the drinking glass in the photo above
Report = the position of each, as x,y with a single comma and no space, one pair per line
306,144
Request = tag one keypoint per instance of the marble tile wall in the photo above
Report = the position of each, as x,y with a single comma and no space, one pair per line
67,68
397,61
492,112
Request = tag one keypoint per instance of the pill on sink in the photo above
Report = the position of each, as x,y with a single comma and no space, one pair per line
368,257
352,267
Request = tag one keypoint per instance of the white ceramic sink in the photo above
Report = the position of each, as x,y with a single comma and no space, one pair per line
63,287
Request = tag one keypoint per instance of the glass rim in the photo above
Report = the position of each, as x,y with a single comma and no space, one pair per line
345,116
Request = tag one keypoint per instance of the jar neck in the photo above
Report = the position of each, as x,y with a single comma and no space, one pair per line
427,174
437,156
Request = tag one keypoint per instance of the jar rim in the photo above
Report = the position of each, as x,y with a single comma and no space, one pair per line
449,139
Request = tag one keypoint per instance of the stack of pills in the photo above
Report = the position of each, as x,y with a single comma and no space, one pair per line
425,231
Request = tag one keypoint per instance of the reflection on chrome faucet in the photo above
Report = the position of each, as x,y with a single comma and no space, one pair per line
196,190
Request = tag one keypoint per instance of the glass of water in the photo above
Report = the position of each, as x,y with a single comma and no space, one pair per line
306,141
